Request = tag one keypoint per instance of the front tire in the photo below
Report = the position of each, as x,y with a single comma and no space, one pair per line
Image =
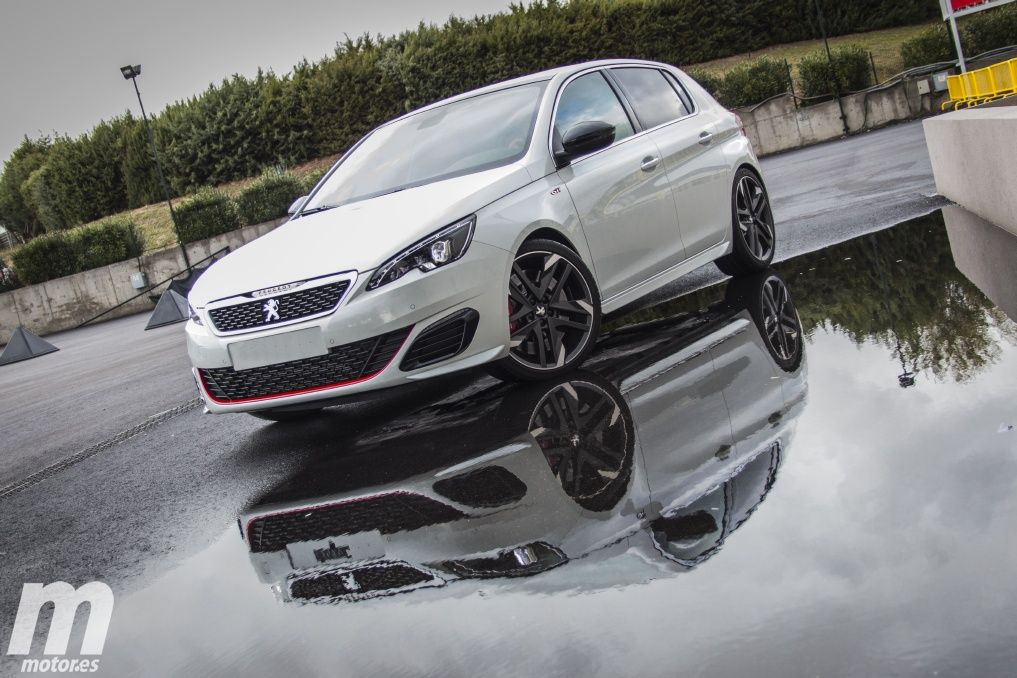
553,313
755,238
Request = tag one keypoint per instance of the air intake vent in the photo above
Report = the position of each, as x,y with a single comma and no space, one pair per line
442,340
484,488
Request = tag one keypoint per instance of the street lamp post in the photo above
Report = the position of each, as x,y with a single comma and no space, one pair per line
833,71
131,73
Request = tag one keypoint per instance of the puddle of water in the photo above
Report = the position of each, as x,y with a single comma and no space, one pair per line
738,483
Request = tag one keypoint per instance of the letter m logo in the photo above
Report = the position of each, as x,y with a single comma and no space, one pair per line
66,599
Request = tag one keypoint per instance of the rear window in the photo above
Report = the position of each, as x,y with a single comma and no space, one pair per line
653,97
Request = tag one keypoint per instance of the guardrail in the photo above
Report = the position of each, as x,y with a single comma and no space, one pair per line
985,84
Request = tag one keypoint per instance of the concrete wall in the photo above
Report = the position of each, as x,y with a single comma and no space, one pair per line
974,158
778,125
986,255
67,302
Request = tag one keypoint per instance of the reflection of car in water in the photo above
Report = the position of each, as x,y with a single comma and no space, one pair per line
666,441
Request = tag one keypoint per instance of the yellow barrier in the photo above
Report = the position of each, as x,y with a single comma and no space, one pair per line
985,84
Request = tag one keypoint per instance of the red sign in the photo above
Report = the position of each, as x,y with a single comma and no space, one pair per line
958,5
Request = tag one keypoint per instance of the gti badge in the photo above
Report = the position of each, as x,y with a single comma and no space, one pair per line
271,310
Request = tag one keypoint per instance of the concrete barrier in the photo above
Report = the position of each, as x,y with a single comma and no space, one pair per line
64,303
974,159
778,125
986,255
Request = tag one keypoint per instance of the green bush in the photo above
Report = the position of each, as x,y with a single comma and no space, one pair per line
851,63
753,82
55,255
39,197
268,197
989,30
929,47
15,212
709,81
107,243
8,280
210,212
49,256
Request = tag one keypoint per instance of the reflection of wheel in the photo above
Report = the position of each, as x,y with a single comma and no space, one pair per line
286,415
585,432
754,237
769,302
553,313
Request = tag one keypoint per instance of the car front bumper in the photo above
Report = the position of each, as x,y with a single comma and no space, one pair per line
403,310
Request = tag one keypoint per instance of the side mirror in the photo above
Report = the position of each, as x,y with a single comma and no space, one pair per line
582,138
297,204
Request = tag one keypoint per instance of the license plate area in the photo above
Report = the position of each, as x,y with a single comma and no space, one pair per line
352,548
278,348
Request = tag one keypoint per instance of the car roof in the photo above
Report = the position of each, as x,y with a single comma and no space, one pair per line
561,72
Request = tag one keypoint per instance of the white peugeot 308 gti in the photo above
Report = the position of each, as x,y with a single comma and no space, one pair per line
493,228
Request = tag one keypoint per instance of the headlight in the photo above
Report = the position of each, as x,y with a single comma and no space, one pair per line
194,315
436,250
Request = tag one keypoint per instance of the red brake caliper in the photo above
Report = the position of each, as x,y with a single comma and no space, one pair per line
513,324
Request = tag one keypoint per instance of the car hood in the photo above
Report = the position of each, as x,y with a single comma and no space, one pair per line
359,236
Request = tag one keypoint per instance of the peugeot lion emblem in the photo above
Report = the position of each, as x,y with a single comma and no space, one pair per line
271,309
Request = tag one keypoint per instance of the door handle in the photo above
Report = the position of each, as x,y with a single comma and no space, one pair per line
705,138
650,163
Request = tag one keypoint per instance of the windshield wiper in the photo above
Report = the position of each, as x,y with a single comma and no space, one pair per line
320,208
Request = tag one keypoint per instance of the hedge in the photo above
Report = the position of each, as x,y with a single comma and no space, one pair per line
980,33
8,279
235,129
754,81
929,47
54,255
209,212
268,197
107,243
48,256
851,63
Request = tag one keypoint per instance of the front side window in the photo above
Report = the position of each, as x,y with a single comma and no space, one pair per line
653,98
590,98
463,137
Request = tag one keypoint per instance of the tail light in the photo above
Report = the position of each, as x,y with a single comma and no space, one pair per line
741,125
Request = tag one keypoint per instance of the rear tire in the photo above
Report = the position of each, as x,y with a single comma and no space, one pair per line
553,313
769,302
754,238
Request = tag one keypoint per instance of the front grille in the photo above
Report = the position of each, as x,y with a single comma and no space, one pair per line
442,340
300,304
388,514
368,581
342,364
484,488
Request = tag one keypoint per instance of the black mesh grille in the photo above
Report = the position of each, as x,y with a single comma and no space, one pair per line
294,305
484,488
442,340
388,514
341,364
376,579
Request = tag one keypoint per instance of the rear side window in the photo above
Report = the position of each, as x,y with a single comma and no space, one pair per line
652,96
587,98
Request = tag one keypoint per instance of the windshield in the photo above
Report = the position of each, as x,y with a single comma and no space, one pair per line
459,138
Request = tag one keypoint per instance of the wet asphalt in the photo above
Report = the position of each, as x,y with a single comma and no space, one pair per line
844,511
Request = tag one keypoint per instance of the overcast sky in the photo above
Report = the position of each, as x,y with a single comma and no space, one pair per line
59,60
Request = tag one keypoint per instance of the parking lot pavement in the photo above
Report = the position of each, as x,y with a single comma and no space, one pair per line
707,503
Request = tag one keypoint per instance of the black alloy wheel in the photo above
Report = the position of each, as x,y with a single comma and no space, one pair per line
553,313
587,437
754,237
